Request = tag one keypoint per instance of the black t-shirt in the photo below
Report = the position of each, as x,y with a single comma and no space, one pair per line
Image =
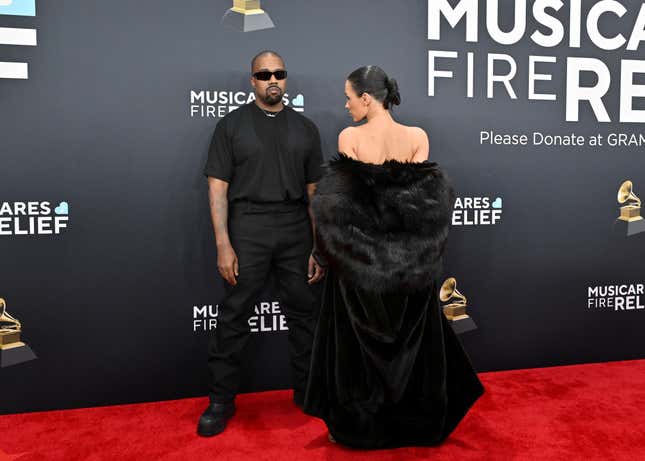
265,159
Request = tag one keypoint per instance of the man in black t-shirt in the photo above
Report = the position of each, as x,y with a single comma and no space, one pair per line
263,163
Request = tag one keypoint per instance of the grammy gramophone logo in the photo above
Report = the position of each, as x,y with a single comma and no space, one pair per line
455,306
630,212
247,16
12,349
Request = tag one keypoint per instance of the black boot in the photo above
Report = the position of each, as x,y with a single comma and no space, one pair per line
214,419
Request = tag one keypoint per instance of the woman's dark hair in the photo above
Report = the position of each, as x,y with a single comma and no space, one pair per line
374,81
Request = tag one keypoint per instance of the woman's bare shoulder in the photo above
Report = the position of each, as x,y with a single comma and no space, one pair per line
417,133
347,141
420,143
349,132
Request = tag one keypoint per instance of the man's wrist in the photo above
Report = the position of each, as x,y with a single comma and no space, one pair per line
318,257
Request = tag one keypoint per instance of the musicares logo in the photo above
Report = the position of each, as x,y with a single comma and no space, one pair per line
626,297
218,103
477,211
33,218
268,318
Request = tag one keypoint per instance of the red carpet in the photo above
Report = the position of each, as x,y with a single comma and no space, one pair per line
588,412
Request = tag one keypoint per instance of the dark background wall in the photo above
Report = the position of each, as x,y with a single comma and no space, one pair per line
104,123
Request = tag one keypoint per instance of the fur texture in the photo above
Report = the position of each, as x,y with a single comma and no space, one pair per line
383,227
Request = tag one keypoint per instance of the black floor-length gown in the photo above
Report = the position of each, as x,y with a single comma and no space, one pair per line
387,369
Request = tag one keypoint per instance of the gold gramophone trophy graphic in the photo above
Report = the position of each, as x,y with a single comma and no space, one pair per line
12,350
247,16
455,309
630,213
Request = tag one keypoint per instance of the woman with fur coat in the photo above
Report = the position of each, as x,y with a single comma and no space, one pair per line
387,370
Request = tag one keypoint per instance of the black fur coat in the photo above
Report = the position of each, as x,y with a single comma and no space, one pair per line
386,368
383,227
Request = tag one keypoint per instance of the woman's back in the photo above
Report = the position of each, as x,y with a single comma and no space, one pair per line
380,140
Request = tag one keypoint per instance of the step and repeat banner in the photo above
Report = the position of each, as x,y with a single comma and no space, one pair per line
108,267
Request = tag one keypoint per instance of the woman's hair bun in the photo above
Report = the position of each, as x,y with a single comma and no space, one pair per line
374,81
393,96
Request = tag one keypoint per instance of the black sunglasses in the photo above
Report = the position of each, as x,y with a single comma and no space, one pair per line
265,75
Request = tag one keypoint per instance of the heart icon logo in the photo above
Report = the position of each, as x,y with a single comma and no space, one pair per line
298,101
497,203
62,208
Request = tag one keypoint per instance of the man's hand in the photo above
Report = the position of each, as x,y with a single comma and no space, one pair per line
316,272
227,263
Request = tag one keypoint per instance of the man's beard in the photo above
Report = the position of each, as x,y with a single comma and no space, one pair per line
269,99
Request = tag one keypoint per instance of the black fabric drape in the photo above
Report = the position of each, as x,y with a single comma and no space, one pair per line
387,369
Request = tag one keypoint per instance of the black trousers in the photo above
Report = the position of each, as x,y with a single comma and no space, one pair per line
265,237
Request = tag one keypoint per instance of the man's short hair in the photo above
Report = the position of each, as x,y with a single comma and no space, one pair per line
262,54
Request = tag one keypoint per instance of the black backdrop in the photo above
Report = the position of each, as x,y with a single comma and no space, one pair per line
110,121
